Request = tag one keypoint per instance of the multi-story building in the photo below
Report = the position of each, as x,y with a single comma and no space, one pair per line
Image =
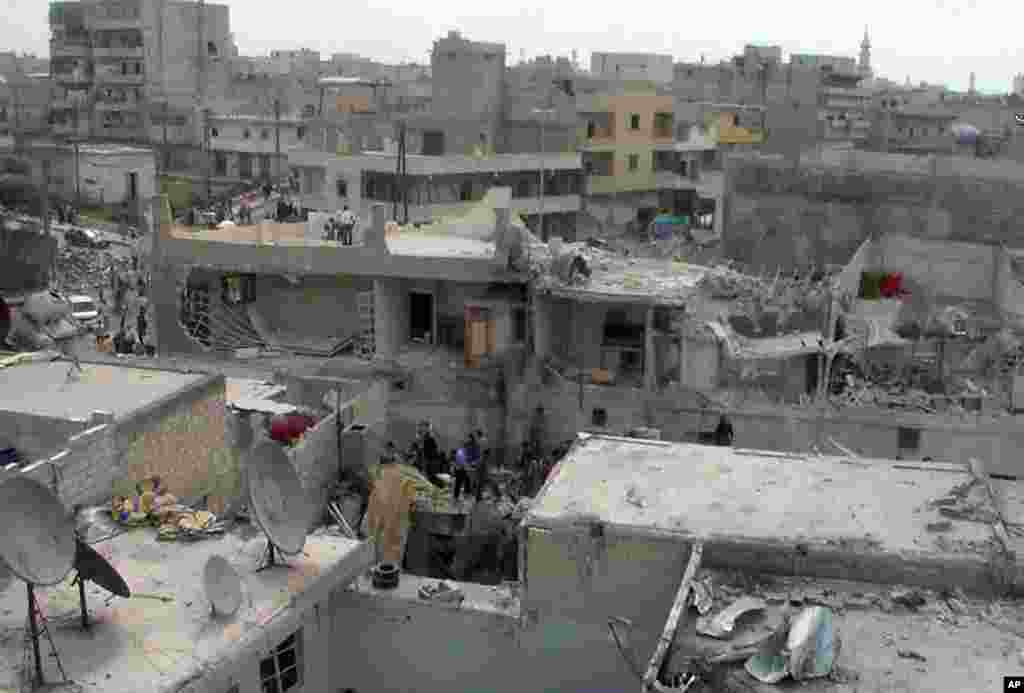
251,148
645,66
635,161
468,90
114,60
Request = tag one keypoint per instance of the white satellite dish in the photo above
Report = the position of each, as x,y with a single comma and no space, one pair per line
223,586
38,546
277,499
39,542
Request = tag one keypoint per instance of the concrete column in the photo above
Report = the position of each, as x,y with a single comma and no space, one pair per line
650,366
387,314
541,327
373,237
682,361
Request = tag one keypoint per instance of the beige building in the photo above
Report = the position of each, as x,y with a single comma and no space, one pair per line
112,61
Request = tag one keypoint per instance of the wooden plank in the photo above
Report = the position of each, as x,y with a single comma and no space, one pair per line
668,635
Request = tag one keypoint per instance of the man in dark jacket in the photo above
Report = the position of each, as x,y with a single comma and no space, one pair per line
724,432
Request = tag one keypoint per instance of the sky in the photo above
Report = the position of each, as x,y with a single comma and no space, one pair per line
937,41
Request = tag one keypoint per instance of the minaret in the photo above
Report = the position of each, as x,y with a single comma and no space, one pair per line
864,66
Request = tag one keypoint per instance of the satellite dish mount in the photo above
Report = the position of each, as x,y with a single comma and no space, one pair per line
275,495
90,565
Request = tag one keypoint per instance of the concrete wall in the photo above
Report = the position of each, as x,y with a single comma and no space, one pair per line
961,270
318,306
35,436
85,470
779,215
443,648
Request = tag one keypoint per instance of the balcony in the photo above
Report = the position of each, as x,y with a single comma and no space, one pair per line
121,78
609,185
73,77
118,51
69,129
122,132
100,22
69,48
672,180
118,105
422,213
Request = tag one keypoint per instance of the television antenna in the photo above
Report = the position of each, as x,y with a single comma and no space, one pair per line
90,565
41,552
277,500
222,585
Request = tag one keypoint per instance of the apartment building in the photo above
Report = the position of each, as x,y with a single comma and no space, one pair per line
113,61
648,66
252,148
636,160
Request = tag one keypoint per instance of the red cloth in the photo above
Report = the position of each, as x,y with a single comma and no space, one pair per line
285,429
892,285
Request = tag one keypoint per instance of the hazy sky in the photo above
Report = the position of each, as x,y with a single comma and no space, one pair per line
939,41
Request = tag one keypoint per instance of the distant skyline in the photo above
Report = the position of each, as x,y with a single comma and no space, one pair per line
937,41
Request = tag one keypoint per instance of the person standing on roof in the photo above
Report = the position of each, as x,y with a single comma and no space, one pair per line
723,432
461,472
348,222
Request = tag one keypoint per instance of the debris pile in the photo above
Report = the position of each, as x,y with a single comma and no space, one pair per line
87,270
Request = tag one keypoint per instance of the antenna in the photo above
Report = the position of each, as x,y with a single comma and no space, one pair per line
277,500
90,565
41,551
222,585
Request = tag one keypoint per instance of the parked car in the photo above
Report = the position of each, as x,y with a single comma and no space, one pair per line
85,312
85,238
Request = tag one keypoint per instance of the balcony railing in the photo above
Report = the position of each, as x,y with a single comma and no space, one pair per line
120,78
117,51
66,47
73,77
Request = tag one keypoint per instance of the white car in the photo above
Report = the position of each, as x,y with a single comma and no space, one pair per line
85,312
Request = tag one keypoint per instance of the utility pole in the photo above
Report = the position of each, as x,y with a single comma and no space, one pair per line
543,113
277,140
209,154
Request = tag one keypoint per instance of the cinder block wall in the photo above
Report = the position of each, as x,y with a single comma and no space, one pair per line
780,215
84,472
182,439
36,436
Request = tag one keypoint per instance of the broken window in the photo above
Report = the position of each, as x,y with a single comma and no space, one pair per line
599,417
281,671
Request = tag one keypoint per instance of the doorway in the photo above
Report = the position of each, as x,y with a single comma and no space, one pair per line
812,365
421,317
133,185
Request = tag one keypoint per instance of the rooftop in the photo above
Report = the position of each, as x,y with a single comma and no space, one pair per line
45,388
145,645
726,494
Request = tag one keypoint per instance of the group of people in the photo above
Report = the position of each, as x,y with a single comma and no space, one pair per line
468,464
341,229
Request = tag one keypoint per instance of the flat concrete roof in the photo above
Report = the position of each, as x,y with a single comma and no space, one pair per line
44,388
144,645
711,491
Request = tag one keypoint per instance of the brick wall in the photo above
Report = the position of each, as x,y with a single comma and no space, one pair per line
83,472
183,440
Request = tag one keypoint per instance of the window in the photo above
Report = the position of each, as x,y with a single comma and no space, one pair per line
301,132
909,439
341,187
246,134
214,132
451,55
519,325
599,417
264,134
281,671
634,121
634,162
211,49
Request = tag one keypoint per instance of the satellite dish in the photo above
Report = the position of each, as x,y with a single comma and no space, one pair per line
277,499
222,585
90,565
39,546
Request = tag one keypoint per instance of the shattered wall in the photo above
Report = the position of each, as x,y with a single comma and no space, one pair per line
317,307
782,216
